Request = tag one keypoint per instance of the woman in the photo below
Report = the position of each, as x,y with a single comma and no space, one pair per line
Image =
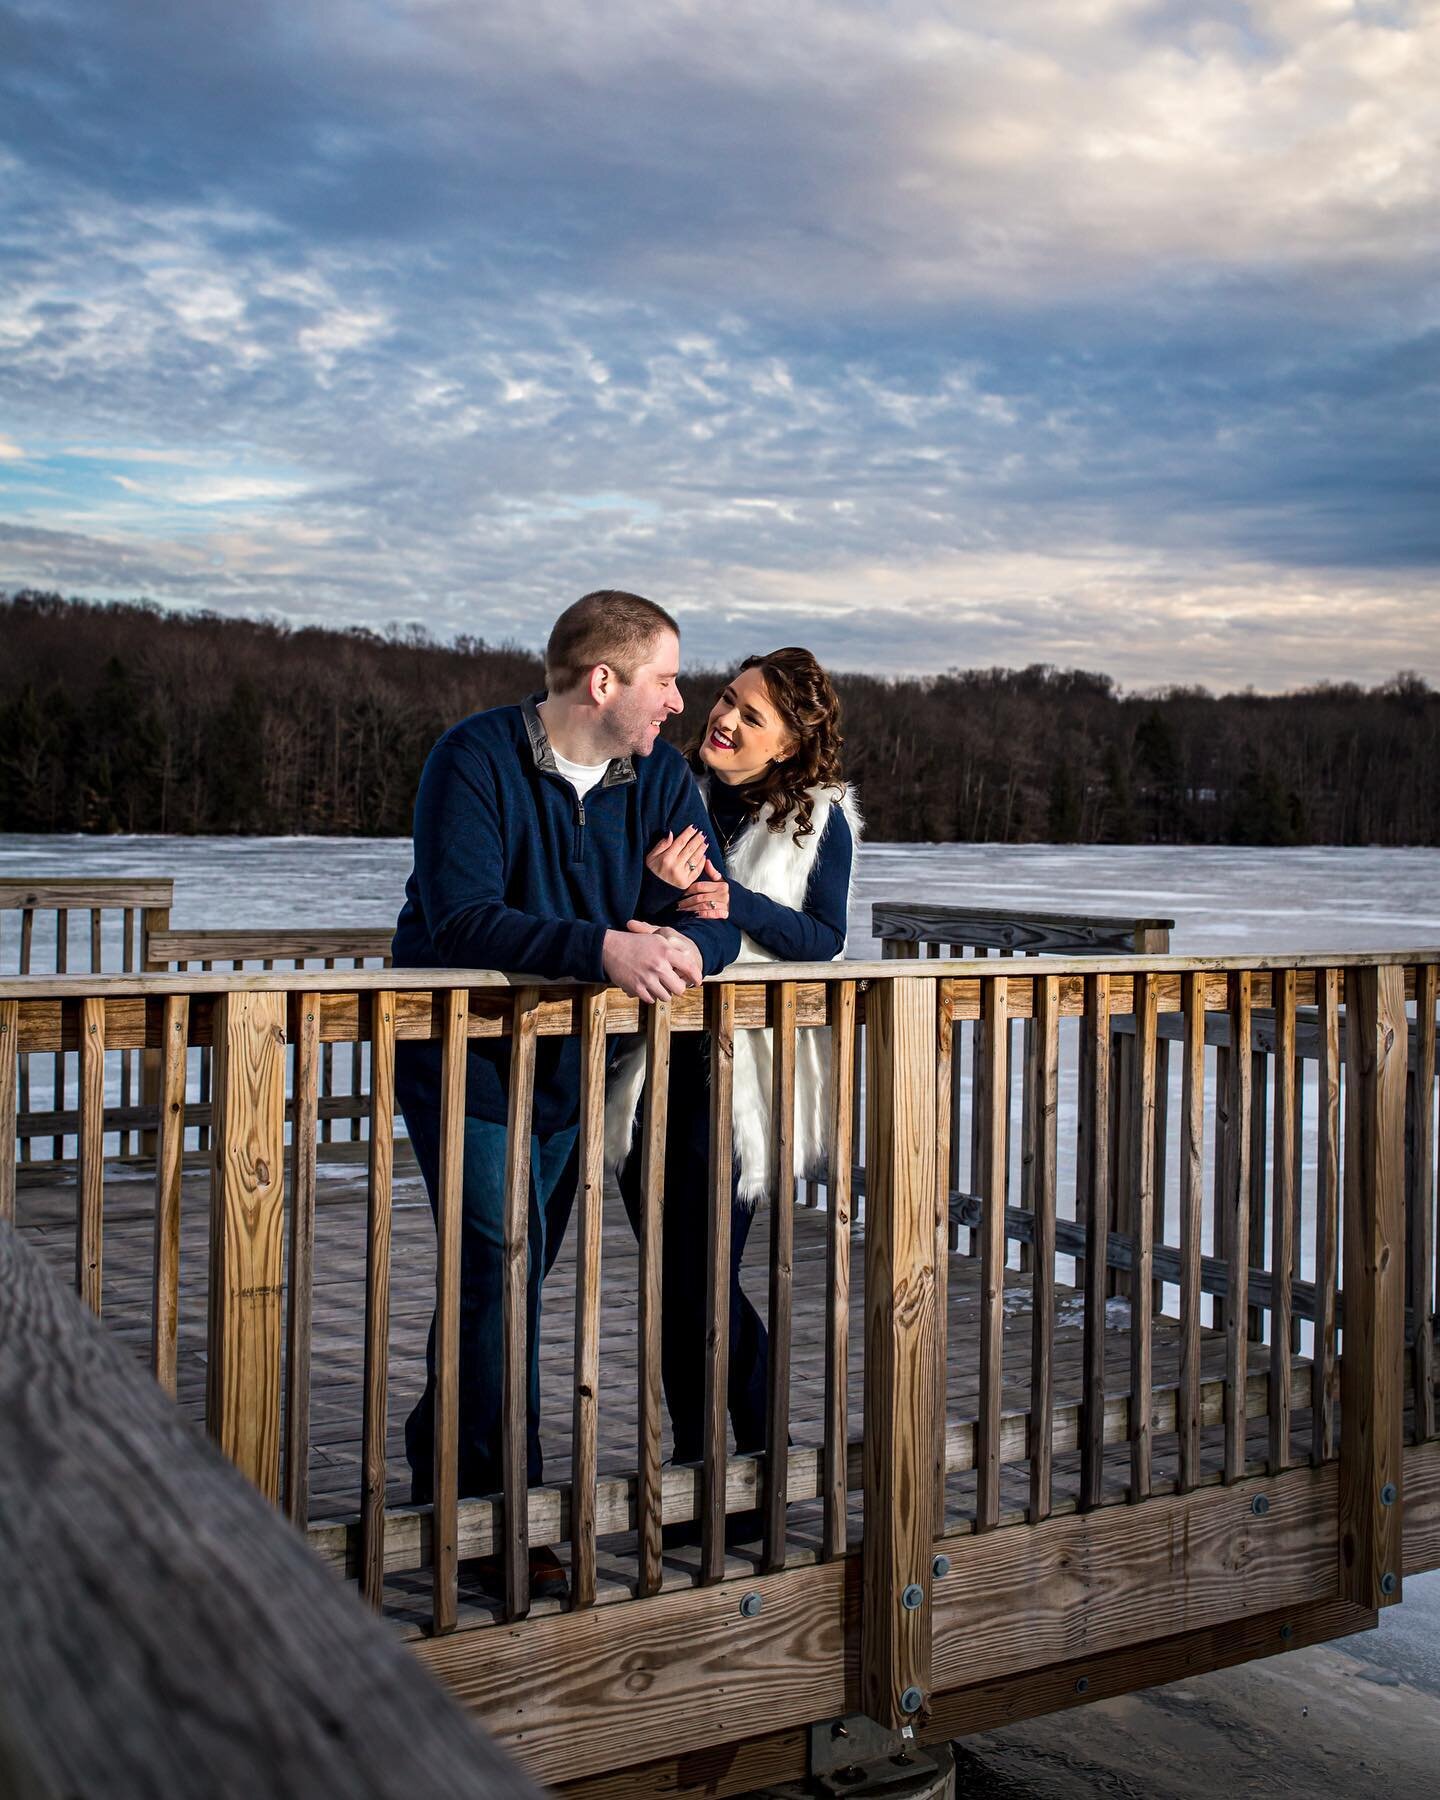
768,764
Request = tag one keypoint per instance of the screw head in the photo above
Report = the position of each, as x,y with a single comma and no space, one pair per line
1082,1686
911,1700
1388,1583
750,1605
1389,1494
1286,1633
1260,1505
913,1598
940,1566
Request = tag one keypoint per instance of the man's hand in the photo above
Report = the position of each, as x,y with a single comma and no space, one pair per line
677,860
683,954
647,965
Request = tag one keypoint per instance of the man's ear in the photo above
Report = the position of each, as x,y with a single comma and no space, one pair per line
601,684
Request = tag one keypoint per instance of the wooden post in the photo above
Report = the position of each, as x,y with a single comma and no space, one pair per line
899,1348
152,919
9,1065
1372,1398
247,1220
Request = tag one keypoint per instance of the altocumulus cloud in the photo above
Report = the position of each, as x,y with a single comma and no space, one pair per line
1096,334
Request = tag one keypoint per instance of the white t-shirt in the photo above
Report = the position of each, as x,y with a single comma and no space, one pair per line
581,776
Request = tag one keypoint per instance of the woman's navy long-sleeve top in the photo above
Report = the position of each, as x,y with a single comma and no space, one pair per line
818,933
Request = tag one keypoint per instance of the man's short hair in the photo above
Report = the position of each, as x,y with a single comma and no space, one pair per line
608,626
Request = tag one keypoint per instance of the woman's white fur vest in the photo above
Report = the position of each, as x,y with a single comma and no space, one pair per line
773,864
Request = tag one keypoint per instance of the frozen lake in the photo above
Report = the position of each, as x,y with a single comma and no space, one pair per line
1223,900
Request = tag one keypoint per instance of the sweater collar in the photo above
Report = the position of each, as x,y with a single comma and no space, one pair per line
621,769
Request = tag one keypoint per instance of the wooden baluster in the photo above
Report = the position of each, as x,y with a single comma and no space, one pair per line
97,963
152,919
899,1345
515,1414
1282,1252
203,1133
1259,1185
652,1225
9,1071
327,1081
1297,1189
1192,1201
1372,1394
89,1226
945,1076
977,1105
1323,1372
720,1001
1239,1139
62,963
1043,1080
305,1028
957,1111
1220,1231
129,1140
1122,1160
993,1001
782,1256
169,1171
247,1226
379,1194
1094,1184
1421,1259
837,1262
589,1237
1141,1152
1161,1153
1029,1114
448,1205
27,936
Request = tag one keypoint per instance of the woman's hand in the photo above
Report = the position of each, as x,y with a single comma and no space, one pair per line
678,860
708,898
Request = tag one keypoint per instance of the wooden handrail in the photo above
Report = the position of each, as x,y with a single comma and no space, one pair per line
897,922
164,1631
168,947
64,895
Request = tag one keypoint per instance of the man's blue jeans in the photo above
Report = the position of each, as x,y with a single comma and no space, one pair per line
482,1263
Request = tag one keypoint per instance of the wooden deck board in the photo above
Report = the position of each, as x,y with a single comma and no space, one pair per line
46,1217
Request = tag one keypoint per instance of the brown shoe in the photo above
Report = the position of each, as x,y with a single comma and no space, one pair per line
548,1580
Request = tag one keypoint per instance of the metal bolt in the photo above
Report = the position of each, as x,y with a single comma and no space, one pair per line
750,1605
1388,1583
911,1700
1389,1494
913,1598
1286,1633
940,1566
1260,1505
837,1730
1082,1686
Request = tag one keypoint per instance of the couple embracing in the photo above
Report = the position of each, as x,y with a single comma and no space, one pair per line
561,838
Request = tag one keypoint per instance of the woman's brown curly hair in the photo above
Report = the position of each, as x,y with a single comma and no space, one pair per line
809,709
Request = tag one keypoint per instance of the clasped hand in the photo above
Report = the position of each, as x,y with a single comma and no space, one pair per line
651,962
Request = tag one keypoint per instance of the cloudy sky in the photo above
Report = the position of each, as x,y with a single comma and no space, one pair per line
1092,332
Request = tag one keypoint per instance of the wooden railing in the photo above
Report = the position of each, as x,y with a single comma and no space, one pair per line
163,1632
1268,1488
117,921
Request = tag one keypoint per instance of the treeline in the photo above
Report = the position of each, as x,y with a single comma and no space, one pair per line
125,717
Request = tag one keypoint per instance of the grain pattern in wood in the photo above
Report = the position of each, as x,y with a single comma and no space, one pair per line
1192,1179
138,1567
782,1274
1236,1206
448,1205
589,1239
837,1264
994,1166
247,1223
649,1299
894,922
1045,1076
1372,1369
1093,1202
901,1023
514,1418
379,1198
300,1288
1420,1207
169,1169
1282,1251
1141,1150
89,1218
721,1009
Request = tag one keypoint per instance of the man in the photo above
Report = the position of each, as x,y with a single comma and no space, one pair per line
531,827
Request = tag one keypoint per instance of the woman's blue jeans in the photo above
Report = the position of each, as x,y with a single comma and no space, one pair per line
482,1268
